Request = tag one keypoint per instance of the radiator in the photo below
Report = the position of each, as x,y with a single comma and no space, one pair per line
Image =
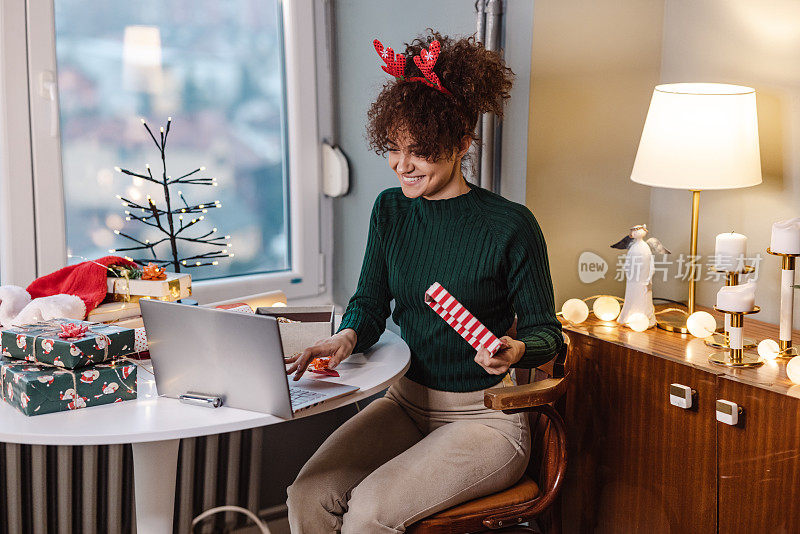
83,490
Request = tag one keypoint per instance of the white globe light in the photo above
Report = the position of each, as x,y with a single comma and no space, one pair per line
793,369
575,311
768,349
606,308
638,322
701,324
278,304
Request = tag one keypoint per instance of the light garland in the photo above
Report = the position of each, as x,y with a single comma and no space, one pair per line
701,324
605,308
150,214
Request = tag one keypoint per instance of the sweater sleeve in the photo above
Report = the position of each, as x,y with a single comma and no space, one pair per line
368,308
531,293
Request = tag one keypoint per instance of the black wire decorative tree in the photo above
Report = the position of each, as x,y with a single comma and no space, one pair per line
165,219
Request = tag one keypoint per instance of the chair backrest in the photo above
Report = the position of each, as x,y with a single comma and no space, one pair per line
545,452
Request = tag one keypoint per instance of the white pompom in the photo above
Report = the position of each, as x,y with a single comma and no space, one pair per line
12,300
52,307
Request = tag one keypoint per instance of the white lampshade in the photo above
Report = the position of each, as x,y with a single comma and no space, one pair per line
699,136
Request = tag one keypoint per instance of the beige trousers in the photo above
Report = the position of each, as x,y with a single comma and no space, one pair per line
406,456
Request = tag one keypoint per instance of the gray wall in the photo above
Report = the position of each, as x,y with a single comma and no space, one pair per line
746,43
359,79
595,64
594,67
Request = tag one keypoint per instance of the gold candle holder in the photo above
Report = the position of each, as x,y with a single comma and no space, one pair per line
787,304
735,355
719,339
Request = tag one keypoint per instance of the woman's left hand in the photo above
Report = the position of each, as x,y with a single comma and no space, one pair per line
510,352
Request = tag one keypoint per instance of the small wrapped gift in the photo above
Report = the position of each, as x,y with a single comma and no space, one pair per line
38,389
301,326
174,286
460,319
67,343
114,311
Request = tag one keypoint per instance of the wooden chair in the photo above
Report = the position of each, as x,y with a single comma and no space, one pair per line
535,495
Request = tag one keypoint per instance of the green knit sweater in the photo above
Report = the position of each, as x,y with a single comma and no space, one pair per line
487,251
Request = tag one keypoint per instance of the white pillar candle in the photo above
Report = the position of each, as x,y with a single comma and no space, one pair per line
786,237
730,251
739,298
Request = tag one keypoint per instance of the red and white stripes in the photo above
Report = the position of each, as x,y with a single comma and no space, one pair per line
462,321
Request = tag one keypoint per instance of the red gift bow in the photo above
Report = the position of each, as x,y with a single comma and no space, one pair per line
73,331
153,272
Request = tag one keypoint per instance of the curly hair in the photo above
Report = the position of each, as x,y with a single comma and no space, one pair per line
478,79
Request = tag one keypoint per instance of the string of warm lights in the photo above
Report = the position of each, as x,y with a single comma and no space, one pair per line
164,220
700,324
607,308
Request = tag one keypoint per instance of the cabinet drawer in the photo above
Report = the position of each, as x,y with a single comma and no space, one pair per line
759,462
637,463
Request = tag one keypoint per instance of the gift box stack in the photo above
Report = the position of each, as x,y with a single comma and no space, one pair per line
127,286
63,364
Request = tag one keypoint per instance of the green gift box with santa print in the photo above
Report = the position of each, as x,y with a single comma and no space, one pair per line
36,389
67,343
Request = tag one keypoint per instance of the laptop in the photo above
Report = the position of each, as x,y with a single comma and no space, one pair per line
231,355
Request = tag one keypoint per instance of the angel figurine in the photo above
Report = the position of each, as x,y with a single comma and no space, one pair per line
639,267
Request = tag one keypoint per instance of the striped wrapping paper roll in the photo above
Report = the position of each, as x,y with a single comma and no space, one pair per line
462,321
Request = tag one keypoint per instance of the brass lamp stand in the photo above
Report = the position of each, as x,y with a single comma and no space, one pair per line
720,339
675,320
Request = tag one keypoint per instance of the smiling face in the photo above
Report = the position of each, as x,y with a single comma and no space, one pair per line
418,176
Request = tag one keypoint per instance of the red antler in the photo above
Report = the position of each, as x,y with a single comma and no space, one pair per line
395,64
426,61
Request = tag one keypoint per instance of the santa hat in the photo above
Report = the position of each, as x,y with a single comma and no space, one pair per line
85,280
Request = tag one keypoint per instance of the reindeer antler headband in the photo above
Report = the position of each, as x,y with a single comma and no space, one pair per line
425,61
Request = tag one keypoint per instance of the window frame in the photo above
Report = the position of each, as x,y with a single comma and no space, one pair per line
17,235
43,224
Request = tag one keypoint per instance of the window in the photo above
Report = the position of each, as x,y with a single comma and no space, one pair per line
229,74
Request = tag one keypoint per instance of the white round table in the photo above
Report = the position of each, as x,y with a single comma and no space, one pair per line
154,425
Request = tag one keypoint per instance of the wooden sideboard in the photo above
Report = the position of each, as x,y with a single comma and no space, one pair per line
639,464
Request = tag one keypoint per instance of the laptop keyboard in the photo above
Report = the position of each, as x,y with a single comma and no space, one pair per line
301,396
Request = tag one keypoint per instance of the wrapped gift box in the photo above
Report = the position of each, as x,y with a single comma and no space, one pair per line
40,342
308,324
133,322
176,286
114,312
38,389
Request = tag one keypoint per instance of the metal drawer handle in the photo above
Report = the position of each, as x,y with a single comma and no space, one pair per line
681,396
728,412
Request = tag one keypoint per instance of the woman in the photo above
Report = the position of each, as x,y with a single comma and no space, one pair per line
430,444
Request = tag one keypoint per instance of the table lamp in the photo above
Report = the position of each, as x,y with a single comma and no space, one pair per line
698,136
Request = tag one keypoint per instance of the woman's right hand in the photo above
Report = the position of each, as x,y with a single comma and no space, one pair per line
337,347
